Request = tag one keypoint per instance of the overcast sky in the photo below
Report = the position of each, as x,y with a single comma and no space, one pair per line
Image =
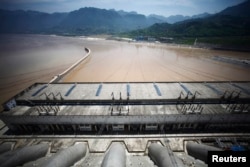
146,7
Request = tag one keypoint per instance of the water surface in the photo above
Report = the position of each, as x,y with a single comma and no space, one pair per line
26,59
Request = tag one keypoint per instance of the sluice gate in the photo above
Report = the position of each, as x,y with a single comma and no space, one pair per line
124,124
130,108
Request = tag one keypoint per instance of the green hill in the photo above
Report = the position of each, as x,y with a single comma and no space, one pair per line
231,23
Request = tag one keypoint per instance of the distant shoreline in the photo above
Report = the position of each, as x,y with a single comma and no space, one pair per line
199,45
121,39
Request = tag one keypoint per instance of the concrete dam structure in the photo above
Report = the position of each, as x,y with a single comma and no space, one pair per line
124,124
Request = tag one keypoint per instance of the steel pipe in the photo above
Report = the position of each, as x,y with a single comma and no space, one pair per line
5,147
66,157
23,155
163,156
199,151
115,157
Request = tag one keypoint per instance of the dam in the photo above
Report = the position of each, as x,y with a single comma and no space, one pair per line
130,124
114,120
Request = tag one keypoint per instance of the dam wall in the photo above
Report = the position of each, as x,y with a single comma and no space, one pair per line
61,75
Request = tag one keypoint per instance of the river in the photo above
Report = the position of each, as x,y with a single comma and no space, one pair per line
26,59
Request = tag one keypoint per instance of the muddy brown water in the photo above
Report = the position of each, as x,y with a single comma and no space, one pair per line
26,59
148,62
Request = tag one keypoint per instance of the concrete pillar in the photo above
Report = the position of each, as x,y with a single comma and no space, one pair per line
200,151
115,156
23,155
66,157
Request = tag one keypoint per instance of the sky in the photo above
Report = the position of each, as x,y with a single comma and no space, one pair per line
146,7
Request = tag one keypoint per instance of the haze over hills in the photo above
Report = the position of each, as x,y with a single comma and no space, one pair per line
177,18
28,21
233,21
85,21
89,21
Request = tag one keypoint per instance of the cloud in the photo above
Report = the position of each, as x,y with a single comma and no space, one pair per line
29,1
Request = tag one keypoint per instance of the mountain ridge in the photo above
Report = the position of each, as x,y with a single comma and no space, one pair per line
83,21
177,18
232,21
91,21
